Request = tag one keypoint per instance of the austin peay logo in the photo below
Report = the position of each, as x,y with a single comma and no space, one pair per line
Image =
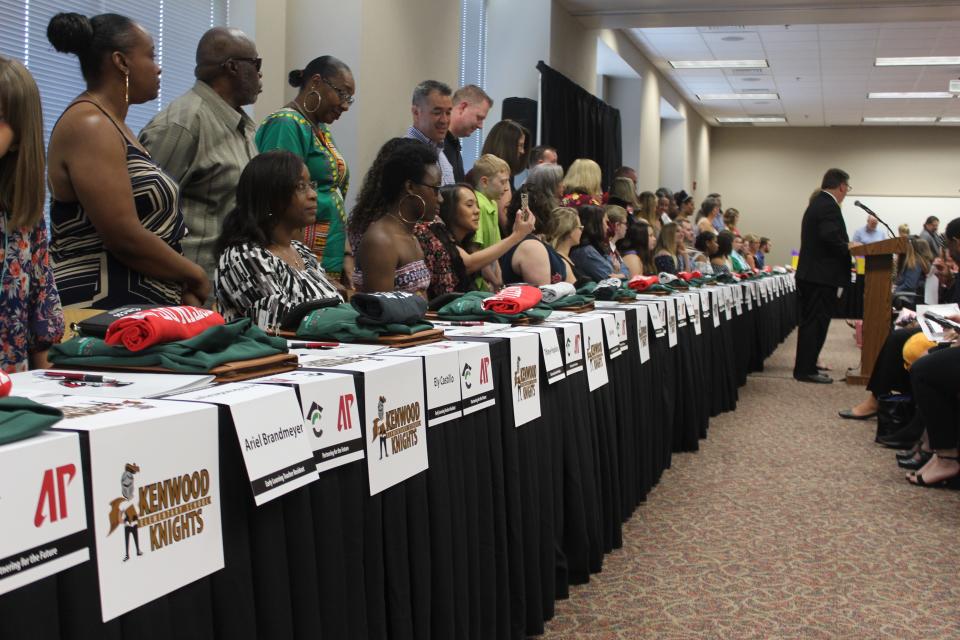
52,503
171,509
398,427
344,421
525,379
313,417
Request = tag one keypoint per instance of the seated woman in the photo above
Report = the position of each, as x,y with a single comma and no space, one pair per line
637,247
401,189
262,271
115,215
665,258
446,242
751,244
582,185
706,245
592,256
736,256
720,259
533,261
936,386
31,320
915,267
564,234
616,230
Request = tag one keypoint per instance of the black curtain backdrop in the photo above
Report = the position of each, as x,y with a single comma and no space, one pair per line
577,123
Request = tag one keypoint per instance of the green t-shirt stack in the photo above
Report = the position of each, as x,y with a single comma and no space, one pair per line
341,323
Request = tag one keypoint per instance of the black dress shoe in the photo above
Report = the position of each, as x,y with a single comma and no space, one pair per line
818,378
848,414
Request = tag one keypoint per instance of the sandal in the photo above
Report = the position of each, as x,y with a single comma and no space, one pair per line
952,482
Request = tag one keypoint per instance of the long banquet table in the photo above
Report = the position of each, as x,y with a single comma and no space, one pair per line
479,546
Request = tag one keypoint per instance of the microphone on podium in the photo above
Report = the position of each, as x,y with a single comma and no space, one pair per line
857,203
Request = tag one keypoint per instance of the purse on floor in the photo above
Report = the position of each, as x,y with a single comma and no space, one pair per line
894,412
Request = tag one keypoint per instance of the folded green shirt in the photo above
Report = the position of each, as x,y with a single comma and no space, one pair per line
340,323
574,300
21,418
238,340
469,306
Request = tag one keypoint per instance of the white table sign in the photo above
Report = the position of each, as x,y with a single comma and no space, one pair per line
524,376
331,415
441,370
42,508
155,479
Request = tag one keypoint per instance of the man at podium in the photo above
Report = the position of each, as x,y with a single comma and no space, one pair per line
823,268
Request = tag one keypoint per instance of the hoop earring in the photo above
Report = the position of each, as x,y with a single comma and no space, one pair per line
126,87
423,208
319,101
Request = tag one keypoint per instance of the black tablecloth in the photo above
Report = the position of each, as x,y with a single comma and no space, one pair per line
479,546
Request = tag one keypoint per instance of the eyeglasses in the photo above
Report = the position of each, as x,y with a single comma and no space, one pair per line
304,187
256,62
435,187
343,95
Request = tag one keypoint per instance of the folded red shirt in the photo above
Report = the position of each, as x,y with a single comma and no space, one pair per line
163,324
688,275
513,300
642,283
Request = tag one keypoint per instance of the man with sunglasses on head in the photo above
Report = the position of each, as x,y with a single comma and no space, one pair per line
204,139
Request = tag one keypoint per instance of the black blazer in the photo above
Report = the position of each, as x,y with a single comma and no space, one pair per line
824,255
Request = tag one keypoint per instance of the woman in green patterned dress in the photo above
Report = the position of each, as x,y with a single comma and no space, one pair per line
303,127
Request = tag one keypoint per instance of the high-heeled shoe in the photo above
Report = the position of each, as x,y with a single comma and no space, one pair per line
953,482
915,462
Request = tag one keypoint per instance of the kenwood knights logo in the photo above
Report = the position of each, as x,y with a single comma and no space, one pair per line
396,427
525,379
171,510
595,354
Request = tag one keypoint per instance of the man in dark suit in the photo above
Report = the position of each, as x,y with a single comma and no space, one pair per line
823,270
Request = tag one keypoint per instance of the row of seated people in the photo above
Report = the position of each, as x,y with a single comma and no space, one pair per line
119,235
929,373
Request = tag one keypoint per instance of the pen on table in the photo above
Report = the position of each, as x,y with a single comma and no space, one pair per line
80,377
314,345
466,323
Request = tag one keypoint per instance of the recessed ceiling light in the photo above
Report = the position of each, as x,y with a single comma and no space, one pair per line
914,119
719,64
950,119
917,60
737,96
875,95
739,119
752,79
732,38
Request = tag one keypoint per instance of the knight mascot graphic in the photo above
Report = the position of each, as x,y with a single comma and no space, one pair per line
380,429
123,510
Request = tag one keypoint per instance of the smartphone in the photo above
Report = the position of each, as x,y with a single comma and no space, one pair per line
940,320
524,204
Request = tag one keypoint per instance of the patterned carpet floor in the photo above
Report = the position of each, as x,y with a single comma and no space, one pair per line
788,523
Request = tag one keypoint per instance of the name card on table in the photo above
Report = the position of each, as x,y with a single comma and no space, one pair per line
42,508
611,332
476,376
658,309
549,349
331,416
738,299
572,345
393,415
441,370
115,384
643,332
693,310
524,376
671,322
277,452
748,296
715,306
155,494
704,302
681,307
591,328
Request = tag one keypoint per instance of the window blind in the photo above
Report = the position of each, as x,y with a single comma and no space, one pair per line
176,27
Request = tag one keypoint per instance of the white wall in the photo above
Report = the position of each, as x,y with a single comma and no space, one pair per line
673,154
625,94
768,173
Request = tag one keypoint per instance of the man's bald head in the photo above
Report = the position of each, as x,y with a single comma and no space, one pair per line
227,60
218,45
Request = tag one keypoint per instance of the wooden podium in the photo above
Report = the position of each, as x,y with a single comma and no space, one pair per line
877,297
